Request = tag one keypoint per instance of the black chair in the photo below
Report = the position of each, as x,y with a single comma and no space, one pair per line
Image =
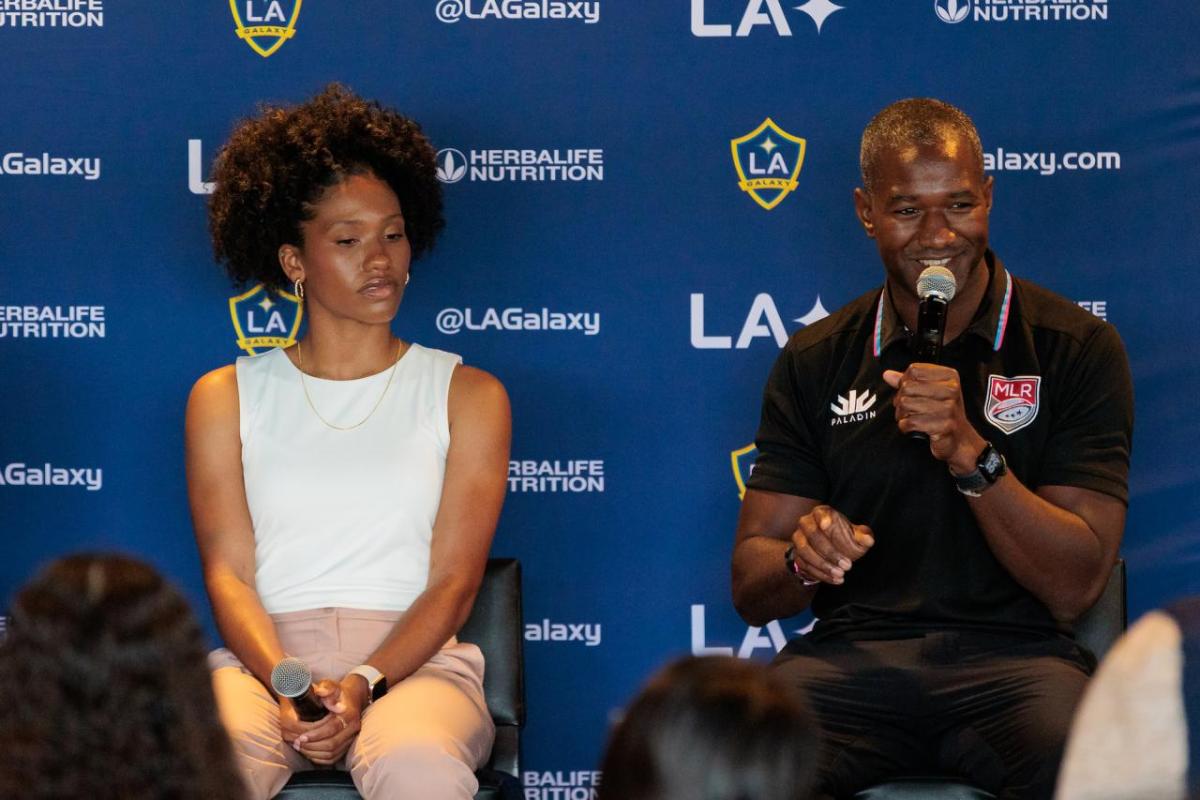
1097,630
495,625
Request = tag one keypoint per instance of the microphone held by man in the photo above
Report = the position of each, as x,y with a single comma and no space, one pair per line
936,287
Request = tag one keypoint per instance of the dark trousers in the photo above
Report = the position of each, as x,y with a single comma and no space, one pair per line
991,709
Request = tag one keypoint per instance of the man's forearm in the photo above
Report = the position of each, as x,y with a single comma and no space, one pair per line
1051,551
1059,543
762,588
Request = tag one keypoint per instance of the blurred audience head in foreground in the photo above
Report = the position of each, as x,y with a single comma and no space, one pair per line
1137,732
104,691
713,728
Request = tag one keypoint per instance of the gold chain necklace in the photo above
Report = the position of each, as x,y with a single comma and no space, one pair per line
379,402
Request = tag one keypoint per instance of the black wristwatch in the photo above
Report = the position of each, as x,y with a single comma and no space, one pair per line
989,468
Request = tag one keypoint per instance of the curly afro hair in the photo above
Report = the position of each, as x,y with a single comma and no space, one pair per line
277,165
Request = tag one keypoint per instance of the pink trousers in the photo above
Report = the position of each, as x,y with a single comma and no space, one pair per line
423,740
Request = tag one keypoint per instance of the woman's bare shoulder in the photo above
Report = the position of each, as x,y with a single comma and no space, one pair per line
215,394
474,390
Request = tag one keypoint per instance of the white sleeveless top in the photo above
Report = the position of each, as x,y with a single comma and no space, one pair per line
343,518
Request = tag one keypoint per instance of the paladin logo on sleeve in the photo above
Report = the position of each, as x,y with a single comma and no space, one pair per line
265,26
854,407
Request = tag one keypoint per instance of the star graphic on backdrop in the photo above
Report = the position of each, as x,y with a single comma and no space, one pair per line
819,10
265,304
768,145
817,313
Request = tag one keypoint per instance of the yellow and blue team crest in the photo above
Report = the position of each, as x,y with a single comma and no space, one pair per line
743,465
768,161
265,25
264,318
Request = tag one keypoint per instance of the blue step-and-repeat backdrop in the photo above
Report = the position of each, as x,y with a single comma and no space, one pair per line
627,249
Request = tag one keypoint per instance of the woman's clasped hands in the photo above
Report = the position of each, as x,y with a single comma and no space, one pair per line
325,741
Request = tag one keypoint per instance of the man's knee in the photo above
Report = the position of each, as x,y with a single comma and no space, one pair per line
1044,719
1017,752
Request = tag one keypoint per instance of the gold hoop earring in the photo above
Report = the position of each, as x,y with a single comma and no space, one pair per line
298,290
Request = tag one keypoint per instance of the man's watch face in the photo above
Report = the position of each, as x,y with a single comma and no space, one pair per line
992,464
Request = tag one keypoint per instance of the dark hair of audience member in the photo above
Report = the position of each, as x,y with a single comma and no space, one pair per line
104,690
713,729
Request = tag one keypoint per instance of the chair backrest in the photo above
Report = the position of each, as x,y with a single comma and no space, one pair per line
496,626
1104,623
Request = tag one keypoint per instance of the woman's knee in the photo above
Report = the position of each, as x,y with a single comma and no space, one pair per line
251,719
417,768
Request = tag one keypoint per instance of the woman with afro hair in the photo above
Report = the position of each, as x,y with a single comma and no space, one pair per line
344,490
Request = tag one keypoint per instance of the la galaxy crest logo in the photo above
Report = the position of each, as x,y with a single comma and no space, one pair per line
1012,403
768,161
264,319
265,26
743,465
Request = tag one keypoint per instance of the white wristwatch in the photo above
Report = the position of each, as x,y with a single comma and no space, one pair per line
377,684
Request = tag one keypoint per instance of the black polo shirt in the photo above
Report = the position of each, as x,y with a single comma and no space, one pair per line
1043,380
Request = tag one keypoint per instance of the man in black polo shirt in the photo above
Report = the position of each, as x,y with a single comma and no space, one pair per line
945,571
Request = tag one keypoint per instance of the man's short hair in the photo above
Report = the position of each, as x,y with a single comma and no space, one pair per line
914,121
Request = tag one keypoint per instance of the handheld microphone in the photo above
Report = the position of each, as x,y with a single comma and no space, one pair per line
936,287
292,679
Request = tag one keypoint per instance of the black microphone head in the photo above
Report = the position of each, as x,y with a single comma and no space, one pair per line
936,281
291,677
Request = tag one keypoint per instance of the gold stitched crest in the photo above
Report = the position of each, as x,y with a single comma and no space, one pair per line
743,463
262,322
252,34
768,162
